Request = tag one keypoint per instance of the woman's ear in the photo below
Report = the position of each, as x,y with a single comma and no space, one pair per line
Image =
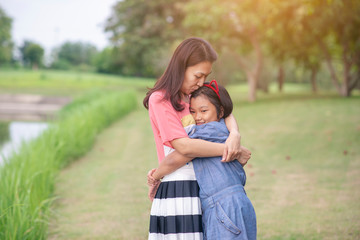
221,112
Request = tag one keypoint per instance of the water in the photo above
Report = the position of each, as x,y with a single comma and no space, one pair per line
20,132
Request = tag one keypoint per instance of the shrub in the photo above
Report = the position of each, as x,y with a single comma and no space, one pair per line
28,176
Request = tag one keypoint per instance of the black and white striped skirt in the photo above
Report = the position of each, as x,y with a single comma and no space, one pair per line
176,209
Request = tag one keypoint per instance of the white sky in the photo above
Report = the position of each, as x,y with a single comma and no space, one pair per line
52,22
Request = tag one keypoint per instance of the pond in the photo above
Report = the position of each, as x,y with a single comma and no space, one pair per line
13,134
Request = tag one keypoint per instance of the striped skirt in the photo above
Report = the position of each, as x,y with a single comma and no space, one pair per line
176,209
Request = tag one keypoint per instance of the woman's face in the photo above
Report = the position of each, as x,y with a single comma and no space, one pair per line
195,77
203,110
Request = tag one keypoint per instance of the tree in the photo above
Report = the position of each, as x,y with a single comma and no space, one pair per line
232,26
289,41
32,54
103,60
335,27
6,44
142,32
74,54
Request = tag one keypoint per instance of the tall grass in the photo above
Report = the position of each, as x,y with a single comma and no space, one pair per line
27,177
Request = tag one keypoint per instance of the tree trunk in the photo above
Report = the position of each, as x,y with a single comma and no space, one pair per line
281,78
313,80
347,68
252,82
344,89
262,84
252,73
330,66
35,67
253,76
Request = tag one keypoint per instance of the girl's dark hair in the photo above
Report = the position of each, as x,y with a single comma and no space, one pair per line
223,104
189,53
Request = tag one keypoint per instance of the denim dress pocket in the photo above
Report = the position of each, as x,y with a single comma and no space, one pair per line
224,220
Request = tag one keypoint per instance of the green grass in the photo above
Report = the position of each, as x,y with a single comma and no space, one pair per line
53,82
28,177
303,178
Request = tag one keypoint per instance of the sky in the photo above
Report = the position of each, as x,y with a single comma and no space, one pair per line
52,22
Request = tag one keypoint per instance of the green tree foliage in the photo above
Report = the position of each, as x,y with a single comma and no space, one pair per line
250,35
308,33
335,26
32,54
103,60
235,26
287,40
142,32
76,54
6,44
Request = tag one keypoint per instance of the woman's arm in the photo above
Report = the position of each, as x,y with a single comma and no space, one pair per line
176,160
197,148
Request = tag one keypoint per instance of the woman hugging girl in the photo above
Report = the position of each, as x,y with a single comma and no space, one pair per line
227,212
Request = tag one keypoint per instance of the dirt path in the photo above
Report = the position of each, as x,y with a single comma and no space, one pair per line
103,194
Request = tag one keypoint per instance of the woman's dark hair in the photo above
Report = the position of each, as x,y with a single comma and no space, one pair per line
189,53
223,105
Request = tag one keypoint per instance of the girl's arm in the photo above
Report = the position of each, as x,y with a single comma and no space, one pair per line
177,158
232,145
169,164
183,155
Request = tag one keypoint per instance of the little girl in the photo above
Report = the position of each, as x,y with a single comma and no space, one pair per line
227,211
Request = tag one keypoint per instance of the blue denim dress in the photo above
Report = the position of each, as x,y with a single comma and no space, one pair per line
227,211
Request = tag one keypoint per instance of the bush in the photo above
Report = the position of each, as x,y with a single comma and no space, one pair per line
28,177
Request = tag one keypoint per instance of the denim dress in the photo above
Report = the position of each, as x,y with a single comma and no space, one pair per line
227,211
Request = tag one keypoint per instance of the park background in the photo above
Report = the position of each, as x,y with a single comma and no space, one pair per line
292,69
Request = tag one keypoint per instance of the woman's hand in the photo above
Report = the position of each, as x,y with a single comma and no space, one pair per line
232,149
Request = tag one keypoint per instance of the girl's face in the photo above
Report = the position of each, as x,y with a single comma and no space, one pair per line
203,110
195,77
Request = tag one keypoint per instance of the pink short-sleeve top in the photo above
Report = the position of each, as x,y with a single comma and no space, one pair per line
167,123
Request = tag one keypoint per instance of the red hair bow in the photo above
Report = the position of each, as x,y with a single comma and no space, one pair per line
216,89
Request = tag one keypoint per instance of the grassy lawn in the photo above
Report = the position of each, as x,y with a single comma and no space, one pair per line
303,178
64,83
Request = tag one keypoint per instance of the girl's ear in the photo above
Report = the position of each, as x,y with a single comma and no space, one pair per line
221,112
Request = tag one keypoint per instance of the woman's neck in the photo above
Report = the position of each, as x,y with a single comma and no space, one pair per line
185,98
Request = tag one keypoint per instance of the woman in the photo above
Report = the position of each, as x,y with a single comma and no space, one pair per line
176,214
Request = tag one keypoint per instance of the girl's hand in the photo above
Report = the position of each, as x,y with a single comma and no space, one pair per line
150,179
153,190
153,184
232,149
245,156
